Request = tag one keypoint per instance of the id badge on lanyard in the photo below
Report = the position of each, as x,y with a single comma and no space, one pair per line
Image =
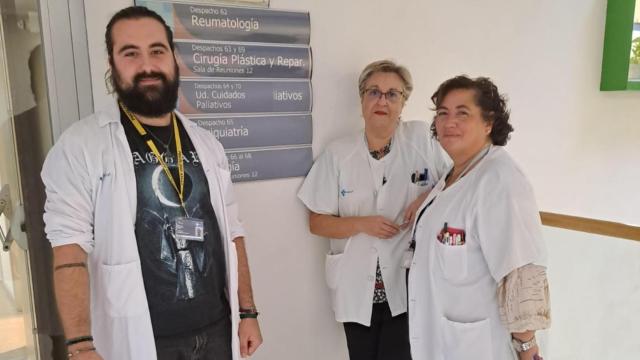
189,229
407,257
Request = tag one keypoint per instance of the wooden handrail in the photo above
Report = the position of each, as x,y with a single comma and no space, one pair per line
601,227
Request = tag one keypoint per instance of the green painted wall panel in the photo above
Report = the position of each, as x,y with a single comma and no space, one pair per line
617,46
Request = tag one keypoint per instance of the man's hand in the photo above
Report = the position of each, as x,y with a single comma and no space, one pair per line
81,352
248,330
87,355
250,337
71,285
378,226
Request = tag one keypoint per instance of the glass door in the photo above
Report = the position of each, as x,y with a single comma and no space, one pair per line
16,315
28,323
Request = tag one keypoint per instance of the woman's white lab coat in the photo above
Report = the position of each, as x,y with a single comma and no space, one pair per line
453,306
347,181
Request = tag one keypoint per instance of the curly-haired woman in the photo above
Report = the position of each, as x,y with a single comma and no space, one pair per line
477,285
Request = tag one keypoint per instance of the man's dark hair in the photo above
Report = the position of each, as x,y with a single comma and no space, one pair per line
130,13
491,102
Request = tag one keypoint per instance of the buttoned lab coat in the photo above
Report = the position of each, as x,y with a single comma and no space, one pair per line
91,201
453,303
346,181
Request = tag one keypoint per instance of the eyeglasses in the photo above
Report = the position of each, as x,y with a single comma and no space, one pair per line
393,96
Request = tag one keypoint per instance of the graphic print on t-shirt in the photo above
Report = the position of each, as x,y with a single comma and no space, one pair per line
181,256
184,278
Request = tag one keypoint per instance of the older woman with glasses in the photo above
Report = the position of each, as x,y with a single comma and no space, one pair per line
477,285
361,193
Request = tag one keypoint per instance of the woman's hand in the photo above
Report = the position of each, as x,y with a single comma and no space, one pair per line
411,210
531,354
377,226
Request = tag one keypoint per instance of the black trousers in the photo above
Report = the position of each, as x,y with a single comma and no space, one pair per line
386,339
211,343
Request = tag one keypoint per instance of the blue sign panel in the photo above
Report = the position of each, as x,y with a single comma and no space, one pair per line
237,24
269,163
209,59
259,131
244,96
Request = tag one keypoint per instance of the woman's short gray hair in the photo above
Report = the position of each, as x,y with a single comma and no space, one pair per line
386,66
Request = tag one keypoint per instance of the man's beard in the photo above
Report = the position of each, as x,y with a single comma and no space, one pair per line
150,100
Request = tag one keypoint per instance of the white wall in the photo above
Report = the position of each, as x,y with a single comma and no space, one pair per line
595,297
579,146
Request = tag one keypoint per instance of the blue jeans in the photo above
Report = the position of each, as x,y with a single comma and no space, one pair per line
210,343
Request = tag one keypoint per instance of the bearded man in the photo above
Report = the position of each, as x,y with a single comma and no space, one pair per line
149,254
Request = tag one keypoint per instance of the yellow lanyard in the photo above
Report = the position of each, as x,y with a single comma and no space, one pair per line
154,149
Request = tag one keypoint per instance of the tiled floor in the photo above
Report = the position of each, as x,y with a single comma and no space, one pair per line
12,332
18,354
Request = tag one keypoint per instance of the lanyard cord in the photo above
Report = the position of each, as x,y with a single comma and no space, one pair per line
476,159
141,130
412,243
165,145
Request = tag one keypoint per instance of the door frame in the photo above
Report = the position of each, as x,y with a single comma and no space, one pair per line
66,52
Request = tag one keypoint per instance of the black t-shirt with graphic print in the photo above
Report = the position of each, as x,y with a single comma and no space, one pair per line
184,281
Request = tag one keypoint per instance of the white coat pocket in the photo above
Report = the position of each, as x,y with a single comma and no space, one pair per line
465,341
416,190
125,295
453,261
332,269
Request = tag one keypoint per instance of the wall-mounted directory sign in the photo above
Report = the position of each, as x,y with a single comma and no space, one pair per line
240,24
269,163
246,77
214,59
237,132
235,24
207,96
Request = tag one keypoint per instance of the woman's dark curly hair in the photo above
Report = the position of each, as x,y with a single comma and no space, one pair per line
492,103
